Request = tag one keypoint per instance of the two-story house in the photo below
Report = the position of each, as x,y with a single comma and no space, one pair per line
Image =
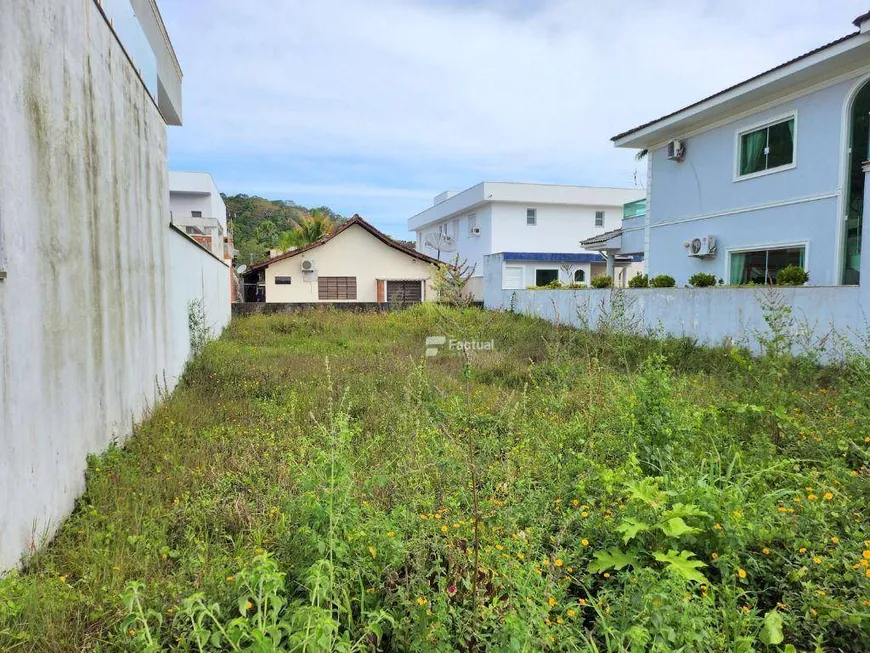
765,174
537,226
198,209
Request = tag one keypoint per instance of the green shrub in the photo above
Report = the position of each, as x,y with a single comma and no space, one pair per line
702,280
576,286
662,281
792,275
638,281
602,282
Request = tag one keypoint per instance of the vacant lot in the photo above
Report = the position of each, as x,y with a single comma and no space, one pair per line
316,484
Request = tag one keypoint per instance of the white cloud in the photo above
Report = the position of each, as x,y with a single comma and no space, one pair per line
441,91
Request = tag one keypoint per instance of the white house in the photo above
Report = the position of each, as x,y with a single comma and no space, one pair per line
764,174
355,263
541,225
197,208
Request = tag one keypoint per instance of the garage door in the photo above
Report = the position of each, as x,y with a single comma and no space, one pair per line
405,291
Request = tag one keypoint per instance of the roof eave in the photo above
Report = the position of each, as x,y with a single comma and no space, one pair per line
660,130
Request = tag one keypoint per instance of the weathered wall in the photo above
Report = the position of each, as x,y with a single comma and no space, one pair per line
709,315
88,317
194,274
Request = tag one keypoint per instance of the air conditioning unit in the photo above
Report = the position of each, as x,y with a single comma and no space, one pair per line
702,247
676,150
475,231
308,266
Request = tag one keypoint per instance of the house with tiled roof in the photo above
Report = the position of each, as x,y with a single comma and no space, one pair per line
765,174
355,263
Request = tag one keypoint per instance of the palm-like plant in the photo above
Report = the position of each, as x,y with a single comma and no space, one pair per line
311,228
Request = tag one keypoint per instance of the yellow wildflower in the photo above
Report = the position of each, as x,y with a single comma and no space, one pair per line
230,579
421,600
571,612
552,601
444,528
817,561
742,573
765,551
584,542
803,549
835,540
866,554
131,633
390,533
828,496
558,562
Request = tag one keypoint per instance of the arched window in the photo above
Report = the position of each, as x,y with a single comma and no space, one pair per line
579,276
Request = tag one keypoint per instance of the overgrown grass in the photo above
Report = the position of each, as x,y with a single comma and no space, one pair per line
316,484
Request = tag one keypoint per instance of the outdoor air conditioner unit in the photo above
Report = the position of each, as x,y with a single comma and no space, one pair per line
475,231
702,247
676,150
308,266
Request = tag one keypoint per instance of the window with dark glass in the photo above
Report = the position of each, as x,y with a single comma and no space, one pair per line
543,277
767,148
599,218
762,266
531,217
283,281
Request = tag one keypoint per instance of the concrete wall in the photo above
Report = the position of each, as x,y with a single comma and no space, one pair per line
194,275
702,194
352,253
710,315
89,310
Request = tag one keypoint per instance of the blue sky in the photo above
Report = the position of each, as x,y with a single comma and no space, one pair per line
375,106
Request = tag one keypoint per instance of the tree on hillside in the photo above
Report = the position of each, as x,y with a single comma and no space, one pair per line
318,224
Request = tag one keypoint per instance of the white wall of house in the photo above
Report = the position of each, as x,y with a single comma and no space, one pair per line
191,192
565,215
91,316
352,253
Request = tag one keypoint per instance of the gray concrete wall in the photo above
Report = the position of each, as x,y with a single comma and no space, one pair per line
89,313
712,316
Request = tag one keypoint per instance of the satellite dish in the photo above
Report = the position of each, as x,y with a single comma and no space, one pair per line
241,269
440,242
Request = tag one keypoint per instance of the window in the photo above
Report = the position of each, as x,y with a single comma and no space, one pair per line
196,214
767,148
513,277
579,276
599,218
282,281
472,223
543,277
762,266
336,288
531,217
455,230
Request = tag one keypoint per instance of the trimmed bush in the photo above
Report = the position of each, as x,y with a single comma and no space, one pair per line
662,281
638,281
702,280
792,275
602,282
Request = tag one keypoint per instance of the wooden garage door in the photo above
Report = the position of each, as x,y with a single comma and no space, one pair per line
336,288
405,291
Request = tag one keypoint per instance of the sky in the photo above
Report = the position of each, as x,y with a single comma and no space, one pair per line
376,106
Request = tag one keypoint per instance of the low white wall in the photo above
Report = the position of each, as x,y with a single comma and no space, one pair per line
194,274
93,308
711,316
